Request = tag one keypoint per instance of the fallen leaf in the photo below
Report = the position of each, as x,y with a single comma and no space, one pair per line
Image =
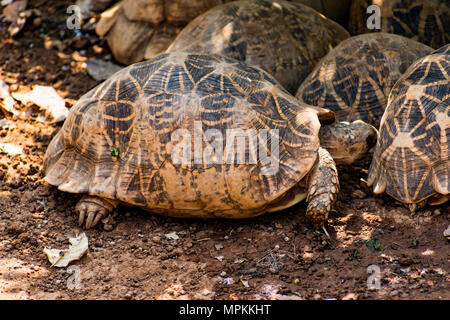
172,236
62,258
4,90
10,149
48,100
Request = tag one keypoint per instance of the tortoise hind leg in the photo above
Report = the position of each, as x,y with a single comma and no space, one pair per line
323,187
93,208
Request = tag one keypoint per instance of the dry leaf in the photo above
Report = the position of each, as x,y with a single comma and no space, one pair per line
62,258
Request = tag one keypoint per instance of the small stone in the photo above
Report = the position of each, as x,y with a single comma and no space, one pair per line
79,42
223,274
447,233
98,243
394,293
178,251
351,296
16,228
97,49
286,239
405,261
156,239
218,247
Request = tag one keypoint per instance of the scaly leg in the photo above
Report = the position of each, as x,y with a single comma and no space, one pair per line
323,187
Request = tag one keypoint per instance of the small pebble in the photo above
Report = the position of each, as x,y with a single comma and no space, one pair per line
447,233
218,247
350,296
178,251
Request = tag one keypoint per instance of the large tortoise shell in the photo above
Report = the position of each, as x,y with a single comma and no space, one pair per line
284,38
117,141
412,155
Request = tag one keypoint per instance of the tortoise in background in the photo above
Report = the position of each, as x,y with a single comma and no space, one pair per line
121,143
411,162
354,79
426,21
284,38
141,29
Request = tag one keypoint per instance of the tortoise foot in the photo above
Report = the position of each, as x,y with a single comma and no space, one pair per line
323,189
92,209
317,210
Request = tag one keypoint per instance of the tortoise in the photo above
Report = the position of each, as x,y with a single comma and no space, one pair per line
141,29
284,38
411,162
152,136
422,20
355,78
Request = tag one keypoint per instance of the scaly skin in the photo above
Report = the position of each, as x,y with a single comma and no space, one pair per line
323,187
93,208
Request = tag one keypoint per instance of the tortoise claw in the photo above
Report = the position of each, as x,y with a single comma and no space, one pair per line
91,212
81,216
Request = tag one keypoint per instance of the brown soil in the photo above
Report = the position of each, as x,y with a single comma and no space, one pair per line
274,256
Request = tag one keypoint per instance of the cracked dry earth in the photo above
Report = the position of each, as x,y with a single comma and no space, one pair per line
274,256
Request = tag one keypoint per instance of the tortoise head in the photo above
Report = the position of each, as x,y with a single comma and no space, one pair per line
348,142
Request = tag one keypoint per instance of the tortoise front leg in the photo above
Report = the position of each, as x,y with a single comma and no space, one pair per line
94,208
323,187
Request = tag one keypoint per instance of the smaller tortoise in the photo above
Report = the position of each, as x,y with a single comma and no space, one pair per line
355,78
129,140
426,21
412,157
286,39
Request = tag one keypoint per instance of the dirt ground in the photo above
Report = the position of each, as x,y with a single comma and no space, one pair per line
274,256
